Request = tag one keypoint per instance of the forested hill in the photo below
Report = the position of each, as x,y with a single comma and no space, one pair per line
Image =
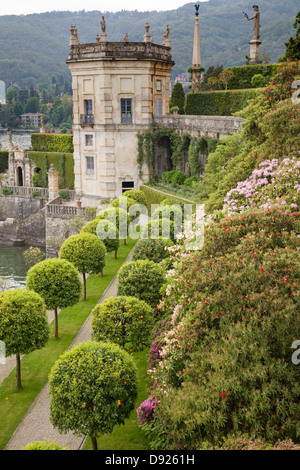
34,48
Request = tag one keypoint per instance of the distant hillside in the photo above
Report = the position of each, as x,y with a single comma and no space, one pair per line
34,48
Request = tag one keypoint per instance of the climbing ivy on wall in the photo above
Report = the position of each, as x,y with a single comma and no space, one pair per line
64,164
3,160
147,146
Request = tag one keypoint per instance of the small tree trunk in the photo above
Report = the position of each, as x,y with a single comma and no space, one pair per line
94,443
84,287
116,254
56,323
18,372
125,241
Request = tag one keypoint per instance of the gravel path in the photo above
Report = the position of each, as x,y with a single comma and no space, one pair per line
36,425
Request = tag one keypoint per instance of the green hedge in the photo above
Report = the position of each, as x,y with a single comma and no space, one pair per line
155,197
218,103
63,162
52,143
3,161
243,75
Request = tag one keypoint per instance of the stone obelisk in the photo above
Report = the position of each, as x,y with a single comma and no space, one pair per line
196,66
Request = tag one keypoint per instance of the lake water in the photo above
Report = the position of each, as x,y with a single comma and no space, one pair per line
21,138
12,265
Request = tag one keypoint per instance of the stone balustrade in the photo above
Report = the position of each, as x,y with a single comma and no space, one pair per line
198,126
129,50
27,191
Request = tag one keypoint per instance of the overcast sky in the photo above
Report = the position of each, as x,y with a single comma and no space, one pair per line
23,7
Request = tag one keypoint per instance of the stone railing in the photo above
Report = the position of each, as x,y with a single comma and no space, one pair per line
56,208
130,50
212,126
27,191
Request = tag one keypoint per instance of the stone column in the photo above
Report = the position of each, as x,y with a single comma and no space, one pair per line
53,182
196,67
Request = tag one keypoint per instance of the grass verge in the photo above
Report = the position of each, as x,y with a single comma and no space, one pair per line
35,367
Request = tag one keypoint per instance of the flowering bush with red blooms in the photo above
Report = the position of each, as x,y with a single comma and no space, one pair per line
226,361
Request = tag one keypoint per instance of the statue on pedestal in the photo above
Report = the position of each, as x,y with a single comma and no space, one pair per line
103,25
103,36
166,35
256,25
255,42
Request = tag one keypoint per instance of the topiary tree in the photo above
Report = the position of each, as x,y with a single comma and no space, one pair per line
138,195
106,231
258,80
160,227
178,98
142,279
126,321
44,445
153,249
86,252
33,255
93,387
23,324
117,216
58,282
123,202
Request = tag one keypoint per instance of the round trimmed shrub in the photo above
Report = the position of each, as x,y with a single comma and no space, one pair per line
126,321
44,445
86,252
258,80
172,212
123,202
142,279
58,282
138,195
154,249
172,202
117,216
178,178
92,387
23,324
160,228
106,231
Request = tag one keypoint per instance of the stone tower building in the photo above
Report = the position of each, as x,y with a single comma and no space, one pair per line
118,88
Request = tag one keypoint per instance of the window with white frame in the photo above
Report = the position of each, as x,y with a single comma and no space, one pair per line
89,140
158,107
90,165
126,110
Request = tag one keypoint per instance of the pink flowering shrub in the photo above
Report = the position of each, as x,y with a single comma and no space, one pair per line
273,182
145,411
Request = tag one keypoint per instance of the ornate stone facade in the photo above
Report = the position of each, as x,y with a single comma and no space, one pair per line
118,87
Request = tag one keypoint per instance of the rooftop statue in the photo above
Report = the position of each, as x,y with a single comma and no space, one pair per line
256,25
103,25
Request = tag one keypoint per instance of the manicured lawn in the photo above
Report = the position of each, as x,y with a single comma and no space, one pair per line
128,436
35,367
